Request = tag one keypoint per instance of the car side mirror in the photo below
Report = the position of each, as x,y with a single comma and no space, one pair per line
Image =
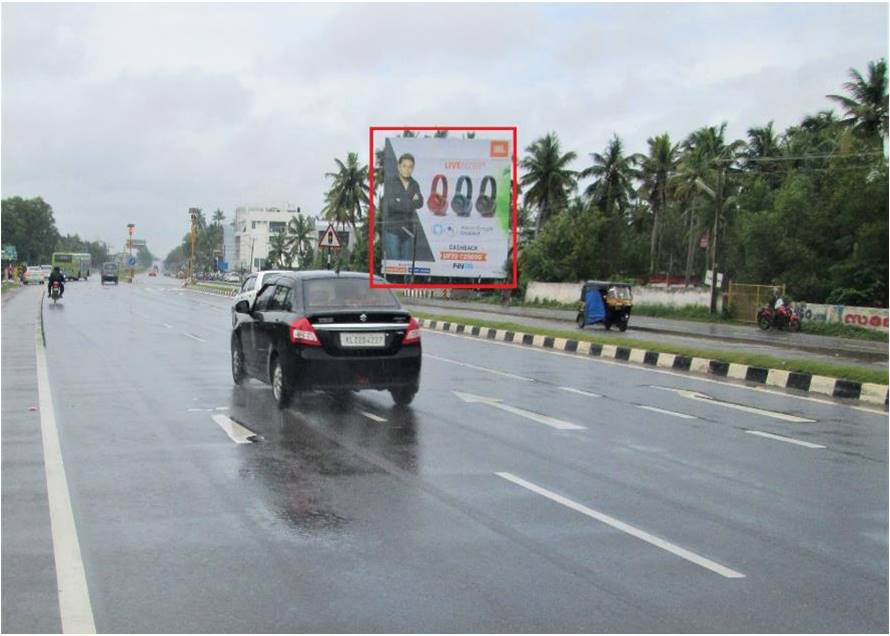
242,307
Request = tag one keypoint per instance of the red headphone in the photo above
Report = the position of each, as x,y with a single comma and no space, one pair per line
438,202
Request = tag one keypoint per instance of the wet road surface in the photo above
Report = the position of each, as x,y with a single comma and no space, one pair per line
523,491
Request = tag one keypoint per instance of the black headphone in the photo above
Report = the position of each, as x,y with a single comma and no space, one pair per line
438,203
462,204
485,204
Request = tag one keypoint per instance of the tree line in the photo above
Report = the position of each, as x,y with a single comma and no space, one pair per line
806,206
29,225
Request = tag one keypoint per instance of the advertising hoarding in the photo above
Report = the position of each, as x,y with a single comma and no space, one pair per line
446,208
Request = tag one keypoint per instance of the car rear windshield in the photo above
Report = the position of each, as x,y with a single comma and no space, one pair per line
345,293
109,267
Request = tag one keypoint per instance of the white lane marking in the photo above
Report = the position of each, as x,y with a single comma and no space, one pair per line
199,410
685,376
478,368
372,416
168,326
546,420
579,392
233,429
782,438
701,397
193,337
222,408
74,597
683,553
666,412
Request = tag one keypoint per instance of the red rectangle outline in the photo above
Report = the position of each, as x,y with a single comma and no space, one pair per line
371,160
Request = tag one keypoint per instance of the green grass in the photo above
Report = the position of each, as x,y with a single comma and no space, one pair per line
854,374
9,286
843,331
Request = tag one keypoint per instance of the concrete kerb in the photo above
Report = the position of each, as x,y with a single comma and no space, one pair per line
833,387
211,289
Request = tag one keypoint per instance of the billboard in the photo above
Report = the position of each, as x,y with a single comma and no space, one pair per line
446,207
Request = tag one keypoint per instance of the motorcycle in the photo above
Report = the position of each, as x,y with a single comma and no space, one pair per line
56,291
781,318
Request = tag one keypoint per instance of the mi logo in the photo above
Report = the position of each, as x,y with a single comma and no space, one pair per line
499,149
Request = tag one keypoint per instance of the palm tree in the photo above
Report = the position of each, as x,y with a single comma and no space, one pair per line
613,173
278,250
715,159
866,105
548,179
300,232
656,171
441,134
218,216
345,200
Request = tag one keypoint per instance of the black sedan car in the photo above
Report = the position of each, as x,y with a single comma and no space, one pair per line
322,330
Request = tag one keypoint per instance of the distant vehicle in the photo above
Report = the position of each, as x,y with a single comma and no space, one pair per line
605,302
782,317
56,291
250,286
153,271
110,272
232,277
35,274
74,265
319,330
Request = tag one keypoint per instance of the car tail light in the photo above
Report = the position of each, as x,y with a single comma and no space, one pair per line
412,336
302,332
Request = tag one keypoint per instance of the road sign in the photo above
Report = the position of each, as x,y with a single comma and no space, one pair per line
131,261
9,253
329,238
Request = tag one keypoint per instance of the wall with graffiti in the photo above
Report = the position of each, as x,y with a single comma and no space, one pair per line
865,317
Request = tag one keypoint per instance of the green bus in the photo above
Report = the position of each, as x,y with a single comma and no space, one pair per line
74,265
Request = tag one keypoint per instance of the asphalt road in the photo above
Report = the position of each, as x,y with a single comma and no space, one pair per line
594,496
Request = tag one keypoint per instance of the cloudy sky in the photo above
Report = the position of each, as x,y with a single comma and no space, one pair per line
121,114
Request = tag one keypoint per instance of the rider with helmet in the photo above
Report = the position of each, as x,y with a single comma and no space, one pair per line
56,275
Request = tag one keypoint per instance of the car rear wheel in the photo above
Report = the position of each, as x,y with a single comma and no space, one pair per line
238,372
580,321
403,396
281,389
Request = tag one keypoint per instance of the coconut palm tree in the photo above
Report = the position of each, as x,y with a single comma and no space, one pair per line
278,253
715,160
866,102
656,171
547,177
300,232
613,175
218,216
345,201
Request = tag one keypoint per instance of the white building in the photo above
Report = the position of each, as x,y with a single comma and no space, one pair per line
254,226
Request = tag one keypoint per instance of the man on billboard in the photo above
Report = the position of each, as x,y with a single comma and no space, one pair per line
404,197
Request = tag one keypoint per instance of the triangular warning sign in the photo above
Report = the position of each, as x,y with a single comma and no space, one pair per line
329,238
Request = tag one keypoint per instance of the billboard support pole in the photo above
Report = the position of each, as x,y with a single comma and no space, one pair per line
414,248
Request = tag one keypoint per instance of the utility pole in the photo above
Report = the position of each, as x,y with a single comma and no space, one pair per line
193,235
717,213
131,228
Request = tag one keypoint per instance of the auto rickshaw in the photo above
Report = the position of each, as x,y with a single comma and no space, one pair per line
605,302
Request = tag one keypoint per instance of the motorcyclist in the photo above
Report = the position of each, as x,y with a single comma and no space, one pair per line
56,275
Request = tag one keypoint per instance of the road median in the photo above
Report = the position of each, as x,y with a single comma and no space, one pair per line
838,381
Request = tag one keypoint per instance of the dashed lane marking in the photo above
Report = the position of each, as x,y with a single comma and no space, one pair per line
655,409
579,392
236,432
683,553
372,416
478,368
193,337
782,438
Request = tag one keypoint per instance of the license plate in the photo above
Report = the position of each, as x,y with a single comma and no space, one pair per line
362,339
